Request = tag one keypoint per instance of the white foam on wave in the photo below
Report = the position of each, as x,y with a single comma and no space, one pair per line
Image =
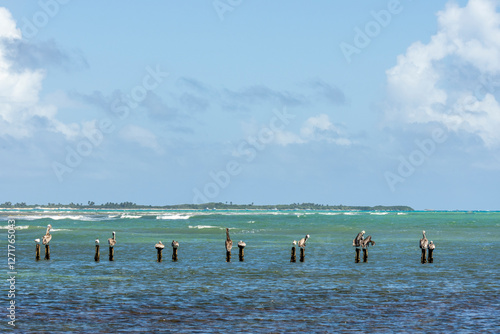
20,227
61,217
58,229
200,227
173,216
351,213
329,213
251,222
379,213
402,213
127,216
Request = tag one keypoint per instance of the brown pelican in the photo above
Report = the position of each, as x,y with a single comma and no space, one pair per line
357,241
241,244
159,245
47,237
175,244
37,241
432,245
294,243
229,242
112,241
302,242
424,243
366,242
97,241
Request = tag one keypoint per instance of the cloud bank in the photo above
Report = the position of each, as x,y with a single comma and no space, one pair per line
454,79
21,112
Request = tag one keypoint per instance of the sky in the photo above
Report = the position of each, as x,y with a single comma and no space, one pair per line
266,102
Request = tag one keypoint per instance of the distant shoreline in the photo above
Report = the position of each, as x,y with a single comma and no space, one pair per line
204,206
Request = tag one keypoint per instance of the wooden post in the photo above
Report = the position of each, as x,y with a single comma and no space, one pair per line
241,252
423,259
111,253
228,256
37,252
365,254
97,255
302,254
430,258
294,257
356,259
47,252
158,254
174,254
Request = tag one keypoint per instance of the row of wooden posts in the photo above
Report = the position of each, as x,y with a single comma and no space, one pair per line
241,254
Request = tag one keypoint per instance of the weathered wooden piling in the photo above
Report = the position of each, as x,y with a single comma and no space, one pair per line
356,259
158,254
175,245
37,250
423,258
229,246
430,258
424,244
159,248
365,254
293,258
47,252
97,255
241,253
111,253
302,254
112,243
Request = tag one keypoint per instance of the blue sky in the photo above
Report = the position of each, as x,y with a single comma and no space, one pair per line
168,102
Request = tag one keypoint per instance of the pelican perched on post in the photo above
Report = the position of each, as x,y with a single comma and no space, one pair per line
424,243
159,245
367,241
302,242
47,237
112,241
97,241
357,241
175,244
294,243
229,242
432,245
37,241
241,243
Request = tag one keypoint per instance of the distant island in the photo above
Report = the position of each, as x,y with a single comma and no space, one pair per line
210,206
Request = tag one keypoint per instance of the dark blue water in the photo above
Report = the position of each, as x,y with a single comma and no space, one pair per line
392,292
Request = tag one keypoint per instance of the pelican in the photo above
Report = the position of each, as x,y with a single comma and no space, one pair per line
241,244
159,245
294,243
97,241
112,241
302,242
47,237
175,244
423,242
229,242
37,241
366,242
432,245
359,238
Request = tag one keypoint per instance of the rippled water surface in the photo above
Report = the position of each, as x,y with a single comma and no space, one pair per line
393,291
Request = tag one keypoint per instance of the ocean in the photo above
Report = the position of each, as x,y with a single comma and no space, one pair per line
202,293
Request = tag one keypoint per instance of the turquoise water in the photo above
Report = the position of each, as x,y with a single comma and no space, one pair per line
393,291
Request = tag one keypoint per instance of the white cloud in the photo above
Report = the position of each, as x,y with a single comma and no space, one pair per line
21,112
315,128
141,136
439,81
